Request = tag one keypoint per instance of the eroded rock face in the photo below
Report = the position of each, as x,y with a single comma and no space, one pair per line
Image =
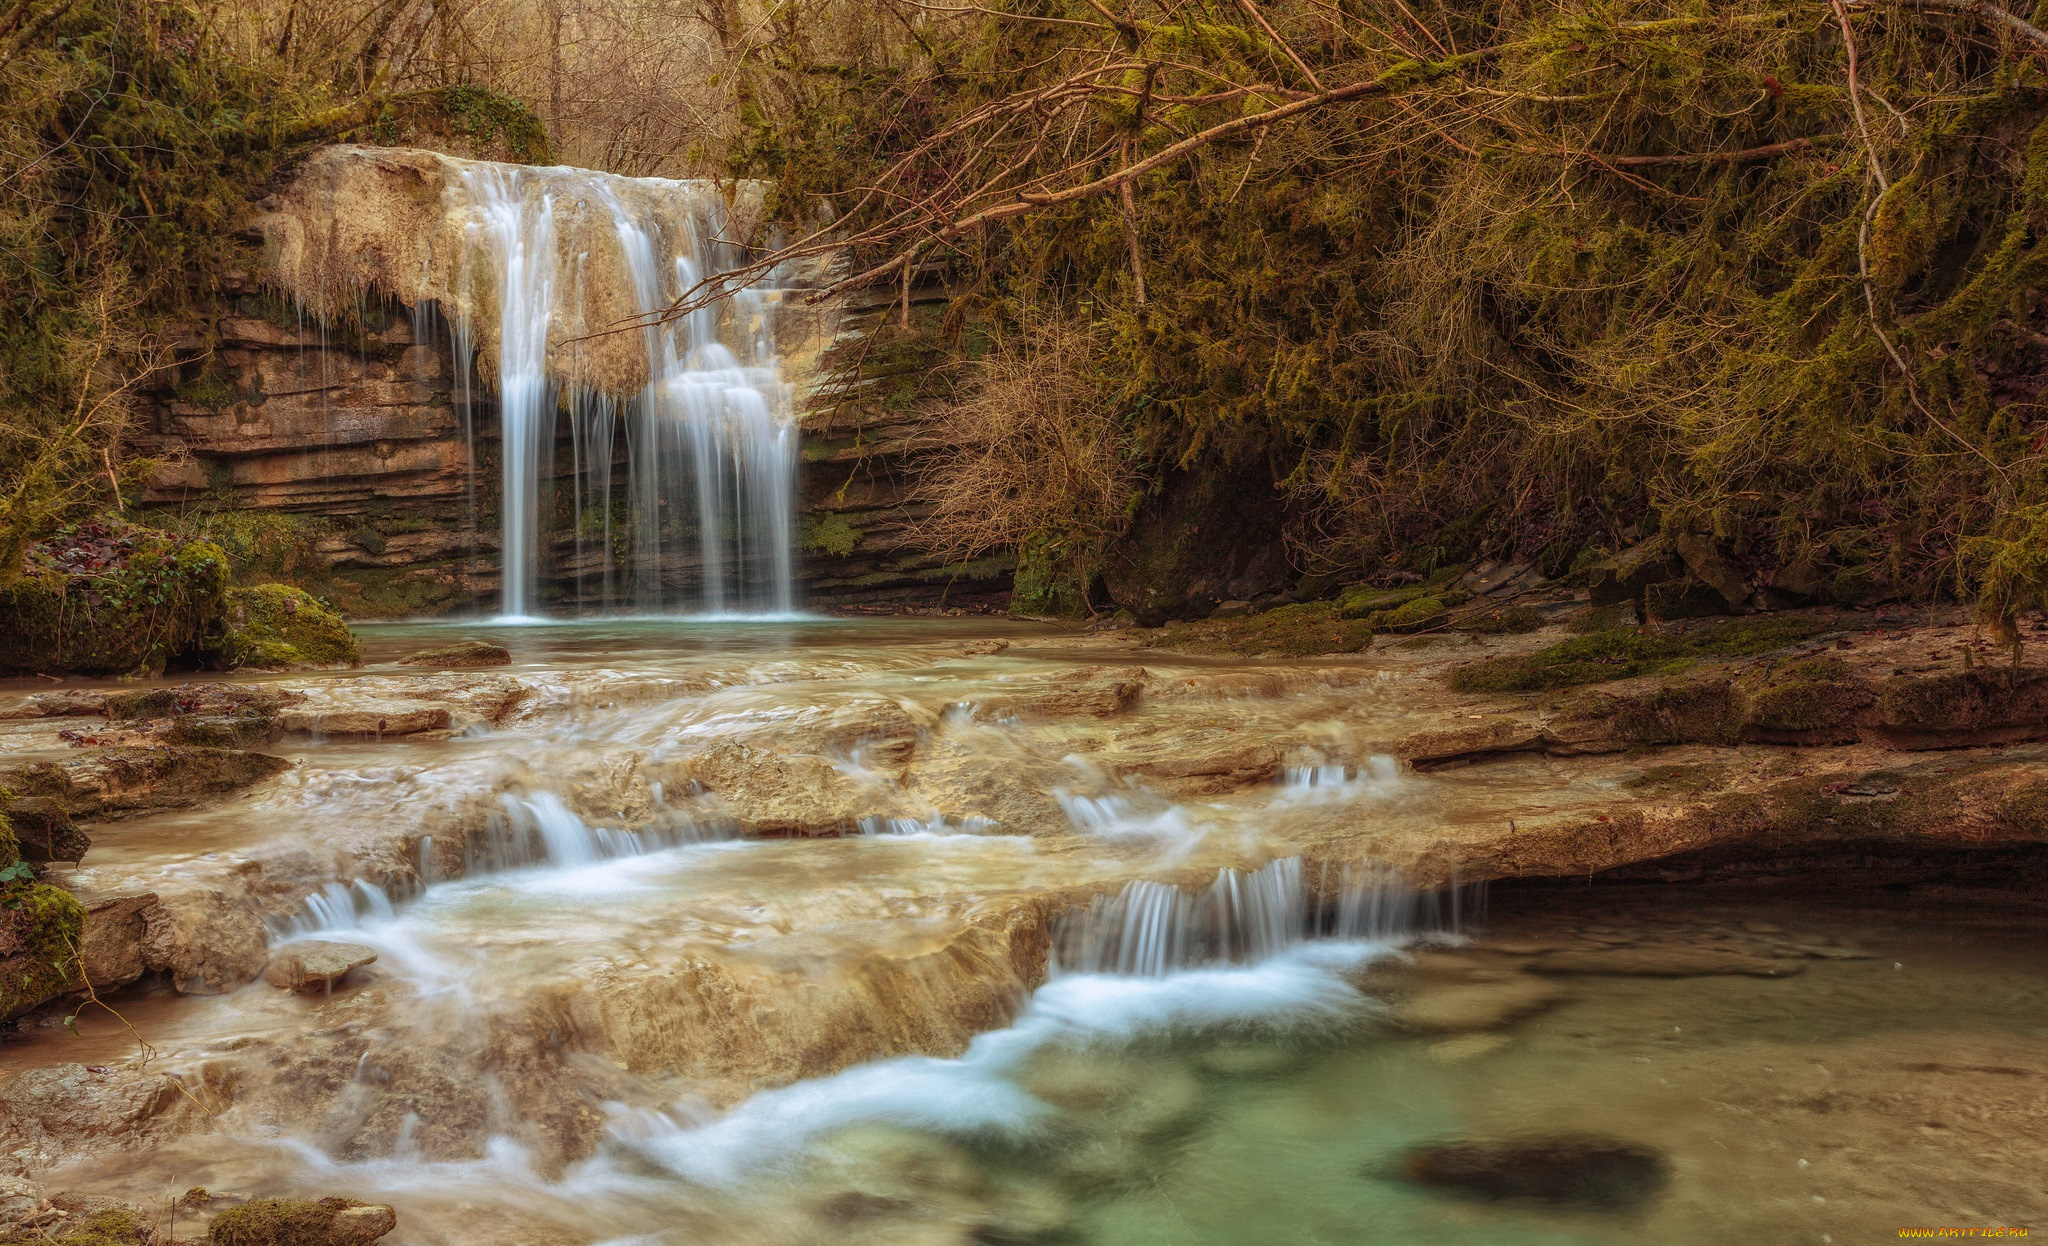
1088,691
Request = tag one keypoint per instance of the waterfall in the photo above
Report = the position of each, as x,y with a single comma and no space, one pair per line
1246,917
702,432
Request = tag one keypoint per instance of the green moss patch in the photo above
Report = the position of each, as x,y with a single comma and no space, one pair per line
296,1222
112,598
39,932
1290,631
1623,653
277,627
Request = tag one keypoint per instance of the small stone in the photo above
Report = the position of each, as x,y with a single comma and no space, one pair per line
1232,610
461,655
316,965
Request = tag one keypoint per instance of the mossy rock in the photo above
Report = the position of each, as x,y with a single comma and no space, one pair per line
278,627
39,933
106,1228
1626,652
1291,631
113,598
302,1222
462,654
1808,696
1413,617
1359,601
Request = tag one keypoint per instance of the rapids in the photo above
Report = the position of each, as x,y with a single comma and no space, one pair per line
865,932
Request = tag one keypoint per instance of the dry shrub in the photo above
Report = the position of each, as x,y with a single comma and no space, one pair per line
1035,449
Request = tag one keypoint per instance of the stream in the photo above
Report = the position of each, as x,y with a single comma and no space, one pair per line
1048,981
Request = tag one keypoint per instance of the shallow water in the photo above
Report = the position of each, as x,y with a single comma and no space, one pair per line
623,1023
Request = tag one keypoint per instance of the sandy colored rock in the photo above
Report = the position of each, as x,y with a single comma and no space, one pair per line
370,719
126,782
1084,692
69,1109
781,794
208,943
316,965
111,943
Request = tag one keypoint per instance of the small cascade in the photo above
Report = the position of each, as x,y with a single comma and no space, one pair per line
527,832
1150,929
1378,778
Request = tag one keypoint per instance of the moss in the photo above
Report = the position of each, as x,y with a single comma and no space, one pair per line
207,388
1809,695
1048,584
1290,631
827,533
277,627
111,598
43,923
1359,601
1414,616
279,1222
1695,779
1624,653
1508,620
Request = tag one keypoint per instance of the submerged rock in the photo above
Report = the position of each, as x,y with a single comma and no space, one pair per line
1568,1169
316,965
1663,962
462,655
1469,1007
303,1222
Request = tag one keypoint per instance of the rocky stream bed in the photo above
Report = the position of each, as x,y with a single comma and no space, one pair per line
973,932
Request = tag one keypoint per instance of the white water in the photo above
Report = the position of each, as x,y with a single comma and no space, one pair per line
706,450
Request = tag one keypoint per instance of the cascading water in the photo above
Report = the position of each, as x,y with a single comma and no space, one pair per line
706,445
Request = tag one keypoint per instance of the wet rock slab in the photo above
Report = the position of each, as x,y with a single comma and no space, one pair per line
316,965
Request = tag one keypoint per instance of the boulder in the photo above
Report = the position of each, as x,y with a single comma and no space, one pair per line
1568,1169
207,943
277,627
1629,574
316,965
110,947
462,655
39,927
